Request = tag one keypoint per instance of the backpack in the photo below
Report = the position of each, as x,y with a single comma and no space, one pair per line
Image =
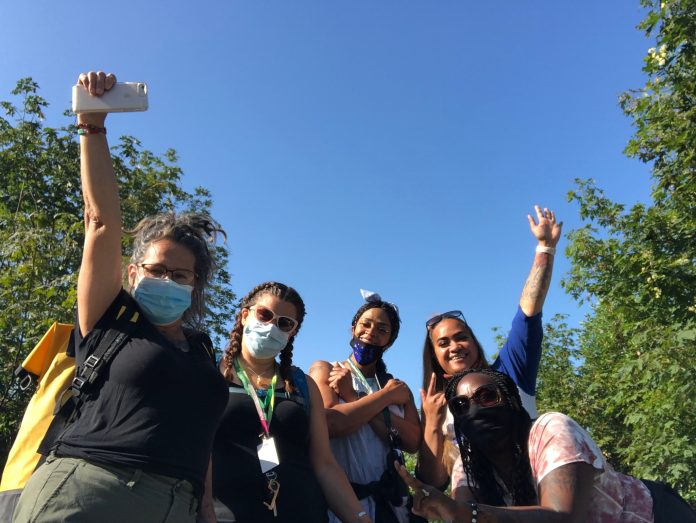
300,380
60,390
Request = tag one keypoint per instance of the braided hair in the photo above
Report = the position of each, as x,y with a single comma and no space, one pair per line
394,322
234,346
477,467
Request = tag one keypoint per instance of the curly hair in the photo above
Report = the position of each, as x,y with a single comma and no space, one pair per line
478,467
394,322
194,231
234,346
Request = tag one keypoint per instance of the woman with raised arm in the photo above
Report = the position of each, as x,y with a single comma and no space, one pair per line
450,346
140,445
513,469
271,458
371,415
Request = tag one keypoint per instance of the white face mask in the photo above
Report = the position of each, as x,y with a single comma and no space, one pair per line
264,340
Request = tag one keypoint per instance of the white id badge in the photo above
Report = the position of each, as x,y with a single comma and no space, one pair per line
268,455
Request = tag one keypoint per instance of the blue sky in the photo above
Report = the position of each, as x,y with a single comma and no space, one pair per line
393,146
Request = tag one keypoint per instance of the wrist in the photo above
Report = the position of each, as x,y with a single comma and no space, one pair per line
349,397
86,128
97,119
547,248
432,425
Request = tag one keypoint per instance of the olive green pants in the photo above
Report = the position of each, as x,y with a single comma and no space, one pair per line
74,490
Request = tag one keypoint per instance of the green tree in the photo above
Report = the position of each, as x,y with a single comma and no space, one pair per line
41,231
636,268
559,379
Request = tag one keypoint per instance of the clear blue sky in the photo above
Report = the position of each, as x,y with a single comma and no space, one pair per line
391,145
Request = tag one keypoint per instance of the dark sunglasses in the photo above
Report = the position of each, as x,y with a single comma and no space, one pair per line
485,396
264,315
439,317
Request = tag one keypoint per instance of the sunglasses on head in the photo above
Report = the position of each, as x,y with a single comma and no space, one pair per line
266,315
485,396
439,317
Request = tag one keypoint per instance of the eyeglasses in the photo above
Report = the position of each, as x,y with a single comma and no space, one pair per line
264,315
485,396
157,270
439,317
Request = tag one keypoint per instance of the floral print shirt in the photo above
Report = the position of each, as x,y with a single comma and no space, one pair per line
556,440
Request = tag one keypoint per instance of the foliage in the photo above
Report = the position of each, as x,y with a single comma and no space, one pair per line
41,230
636,268
558,383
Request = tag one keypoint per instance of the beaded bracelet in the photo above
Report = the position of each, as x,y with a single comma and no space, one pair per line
474,511
86,128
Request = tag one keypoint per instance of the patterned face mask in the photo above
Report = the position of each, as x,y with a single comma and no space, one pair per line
365,353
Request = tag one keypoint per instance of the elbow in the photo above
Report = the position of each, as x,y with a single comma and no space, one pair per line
336,423
412,443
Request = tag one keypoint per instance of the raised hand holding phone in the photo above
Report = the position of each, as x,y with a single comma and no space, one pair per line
97,92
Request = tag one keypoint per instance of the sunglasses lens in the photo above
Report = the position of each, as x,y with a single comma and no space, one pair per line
487,397
459,405
438,318
432,321
285,324
263,315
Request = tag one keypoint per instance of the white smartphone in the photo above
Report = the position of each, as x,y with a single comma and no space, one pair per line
122,97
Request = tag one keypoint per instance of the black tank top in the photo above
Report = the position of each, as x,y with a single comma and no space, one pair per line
237,479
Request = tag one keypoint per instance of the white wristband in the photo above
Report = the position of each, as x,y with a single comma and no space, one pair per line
547,250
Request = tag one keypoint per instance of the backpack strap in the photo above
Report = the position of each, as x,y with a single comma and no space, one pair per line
112,342
393,434
300,381
87,374
202,340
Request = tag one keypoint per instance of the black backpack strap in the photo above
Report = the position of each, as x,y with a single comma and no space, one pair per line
202,340
113,341
87,374
300,380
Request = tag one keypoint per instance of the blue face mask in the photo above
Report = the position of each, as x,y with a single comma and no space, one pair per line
162,301
365,353
264,340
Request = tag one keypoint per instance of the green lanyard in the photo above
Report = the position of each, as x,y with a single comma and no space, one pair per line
363,380
266,412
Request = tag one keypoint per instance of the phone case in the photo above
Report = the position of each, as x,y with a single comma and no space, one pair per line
122,97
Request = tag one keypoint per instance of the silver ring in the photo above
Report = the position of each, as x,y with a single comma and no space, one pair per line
425,492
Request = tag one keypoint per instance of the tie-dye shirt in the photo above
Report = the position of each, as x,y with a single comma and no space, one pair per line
556,440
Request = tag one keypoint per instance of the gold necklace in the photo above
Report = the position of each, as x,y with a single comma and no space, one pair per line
259,377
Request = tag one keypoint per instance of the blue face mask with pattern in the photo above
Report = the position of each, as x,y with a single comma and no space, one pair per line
162,300
365,353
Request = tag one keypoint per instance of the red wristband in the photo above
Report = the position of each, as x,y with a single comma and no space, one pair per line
86,128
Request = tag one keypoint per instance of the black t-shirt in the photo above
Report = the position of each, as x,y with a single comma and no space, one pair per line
237,479
157,408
